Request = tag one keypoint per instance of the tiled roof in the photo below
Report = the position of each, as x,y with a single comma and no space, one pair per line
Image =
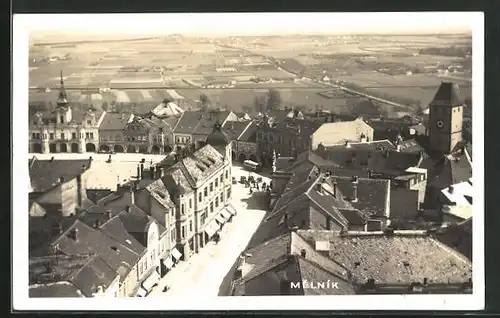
447,95
45,174
85,272
450,170
397,258
176,180
197,167
62,289
410,145
233,129
208,121
116,229
250,133
187,122
89,240
115,121
373,194
459,237
281,257
380,157
160,193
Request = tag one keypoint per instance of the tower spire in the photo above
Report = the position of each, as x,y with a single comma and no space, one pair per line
62,100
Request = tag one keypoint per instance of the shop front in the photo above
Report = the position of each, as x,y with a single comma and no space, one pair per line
221,220
176,255
211,229
230,208
148,283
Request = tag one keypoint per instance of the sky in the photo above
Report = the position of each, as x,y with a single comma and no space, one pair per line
241,24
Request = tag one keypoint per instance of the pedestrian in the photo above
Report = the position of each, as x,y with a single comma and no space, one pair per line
258,187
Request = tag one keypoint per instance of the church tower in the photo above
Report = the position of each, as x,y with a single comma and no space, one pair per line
445,119
64,114
219,140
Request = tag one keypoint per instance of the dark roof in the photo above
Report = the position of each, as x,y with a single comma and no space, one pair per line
114,121
119,257
459,237
399,258
410,145
250,133
217,137
379,156
61,289
450,170
233,129
117,229
187,122
209,120
86,272
373,194
281,257
45,174
447,95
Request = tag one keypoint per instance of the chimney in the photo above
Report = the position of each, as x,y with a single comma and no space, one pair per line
370,173
142,170
398,148
138,172
319,187
294,228
450,189
285,220
90,159
354,182
96,224
132,195
347,144
425,281
127,208
74,234
51,159
108,214
61,179
370,285
335,188
303,253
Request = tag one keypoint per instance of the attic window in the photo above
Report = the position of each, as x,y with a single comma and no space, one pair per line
128,241
200,167
212,160
114,248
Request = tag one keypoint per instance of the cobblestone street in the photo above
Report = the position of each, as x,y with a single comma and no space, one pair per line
203,273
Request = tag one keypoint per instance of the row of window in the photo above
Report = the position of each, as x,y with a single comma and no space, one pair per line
53,136
203,217
143,266
183,140
138,138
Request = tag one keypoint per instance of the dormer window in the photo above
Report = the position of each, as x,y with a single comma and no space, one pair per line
89,122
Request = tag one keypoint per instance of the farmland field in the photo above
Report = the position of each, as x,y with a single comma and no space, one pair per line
141,71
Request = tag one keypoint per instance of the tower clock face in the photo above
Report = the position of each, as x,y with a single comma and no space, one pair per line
439,124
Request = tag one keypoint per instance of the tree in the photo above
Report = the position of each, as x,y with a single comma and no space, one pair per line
204,101
105,106
259,104
273,99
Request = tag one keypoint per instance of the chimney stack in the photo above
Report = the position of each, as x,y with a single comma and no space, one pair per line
127,208
450,189
285,220
294,228
142,170
96,224
74,234
319,187
398,147
61,179
138,172
335,189
303,253
354,188
370,173
108,214
132,195
425,281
